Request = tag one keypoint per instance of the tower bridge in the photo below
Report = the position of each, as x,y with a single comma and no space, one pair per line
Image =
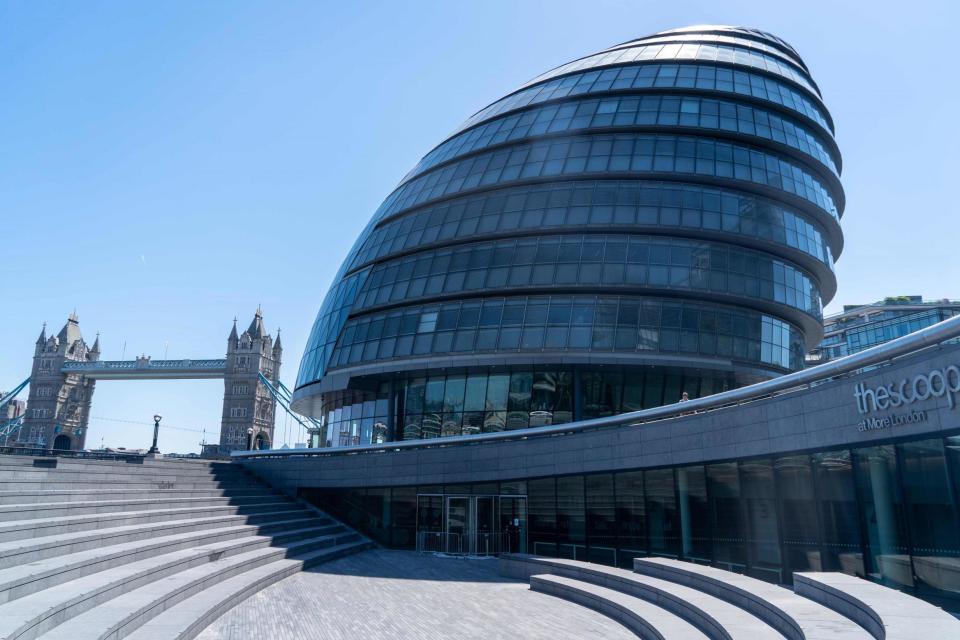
65,372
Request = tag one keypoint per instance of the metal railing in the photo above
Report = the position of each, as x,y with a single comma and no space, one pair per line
474,543
875,356
40,452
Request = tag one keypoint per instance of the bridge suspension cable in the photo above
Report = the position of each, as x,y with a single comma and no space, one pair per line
7,427
13,394
283,396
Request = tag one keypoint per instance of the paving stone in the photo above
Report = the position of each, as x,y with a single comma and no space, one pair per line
393,595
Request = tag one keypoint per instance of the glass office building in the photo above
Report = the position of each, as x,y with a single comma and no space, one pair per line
656,218
860,326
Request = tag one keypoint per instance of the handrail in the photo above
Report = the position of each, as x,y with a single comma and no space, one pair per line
910,343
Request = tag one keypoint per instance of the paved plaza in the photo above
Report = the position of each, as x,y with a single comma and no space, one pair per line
399,594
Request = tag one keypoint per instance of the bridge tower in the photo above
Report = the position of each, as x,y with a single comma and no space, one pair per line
247,404
58,405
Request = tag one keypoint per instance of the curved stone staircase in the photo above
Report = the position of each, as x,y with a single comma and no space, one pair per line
668,599
148,548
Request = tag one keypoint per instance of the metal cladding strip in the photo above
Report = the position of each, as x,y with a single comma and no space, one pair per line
916,341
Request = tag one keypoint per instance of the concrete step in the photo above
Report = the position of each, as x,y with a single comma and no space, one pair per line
712,616
645,619
888,614
28,617
18,472
57,483
797,618
8,466
29,496
12,512
184,464
190,616
40,527
21,551
24,579
120,616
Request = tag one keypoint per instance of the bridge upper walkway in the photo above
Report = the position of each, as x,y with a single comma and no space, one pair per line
147,369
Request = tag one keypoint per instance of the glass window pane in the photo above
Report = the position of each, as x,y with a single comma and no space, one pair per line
763,544
571,518
884,515
694,517
839,519
662,513
933,517
727,517
601,521
798,514
631,517
542,507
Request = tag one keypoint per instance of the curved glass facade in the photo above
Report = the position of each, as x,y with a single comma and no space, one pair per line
662,111
701,77
585,261
657,218
600,204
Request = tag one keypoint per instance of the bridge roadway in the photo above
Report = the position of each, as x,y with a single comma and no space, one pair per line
147,369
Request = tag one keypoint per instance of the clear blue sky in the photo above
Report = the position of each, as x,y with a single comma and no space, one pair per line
165,166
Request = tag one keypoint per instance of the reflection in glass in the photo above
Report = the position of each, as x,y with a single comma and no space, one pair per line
884,515
601,518
798,514
763,544
839,522
662,513
933,516
571,521
542,506
631,517
694,517
727,517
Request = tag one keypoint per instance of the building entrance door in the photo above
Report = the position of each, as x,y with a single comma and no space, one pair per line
460,524
481,525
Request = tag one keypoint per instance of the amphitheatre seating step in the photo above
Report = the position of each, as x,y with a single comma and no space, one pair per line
137,483
96,548
20,468
712,616
8,470
795,617
188,618
38,510
64,462
30,616
886,613
645,619
29,496
22,580
118,617
38,527
21,551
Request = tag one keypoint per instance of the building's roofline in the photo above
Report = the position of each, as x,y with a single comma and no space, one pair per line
882,305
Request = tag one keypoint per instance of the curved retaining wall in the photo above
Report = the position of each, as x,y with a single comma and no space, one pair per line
824,416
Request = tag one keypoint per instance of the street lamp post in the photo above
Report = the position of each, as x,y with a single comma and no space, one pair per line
250,439
156,431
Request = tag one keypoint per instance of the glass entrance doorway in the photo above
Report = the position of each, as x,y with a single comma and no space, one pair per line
471,525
